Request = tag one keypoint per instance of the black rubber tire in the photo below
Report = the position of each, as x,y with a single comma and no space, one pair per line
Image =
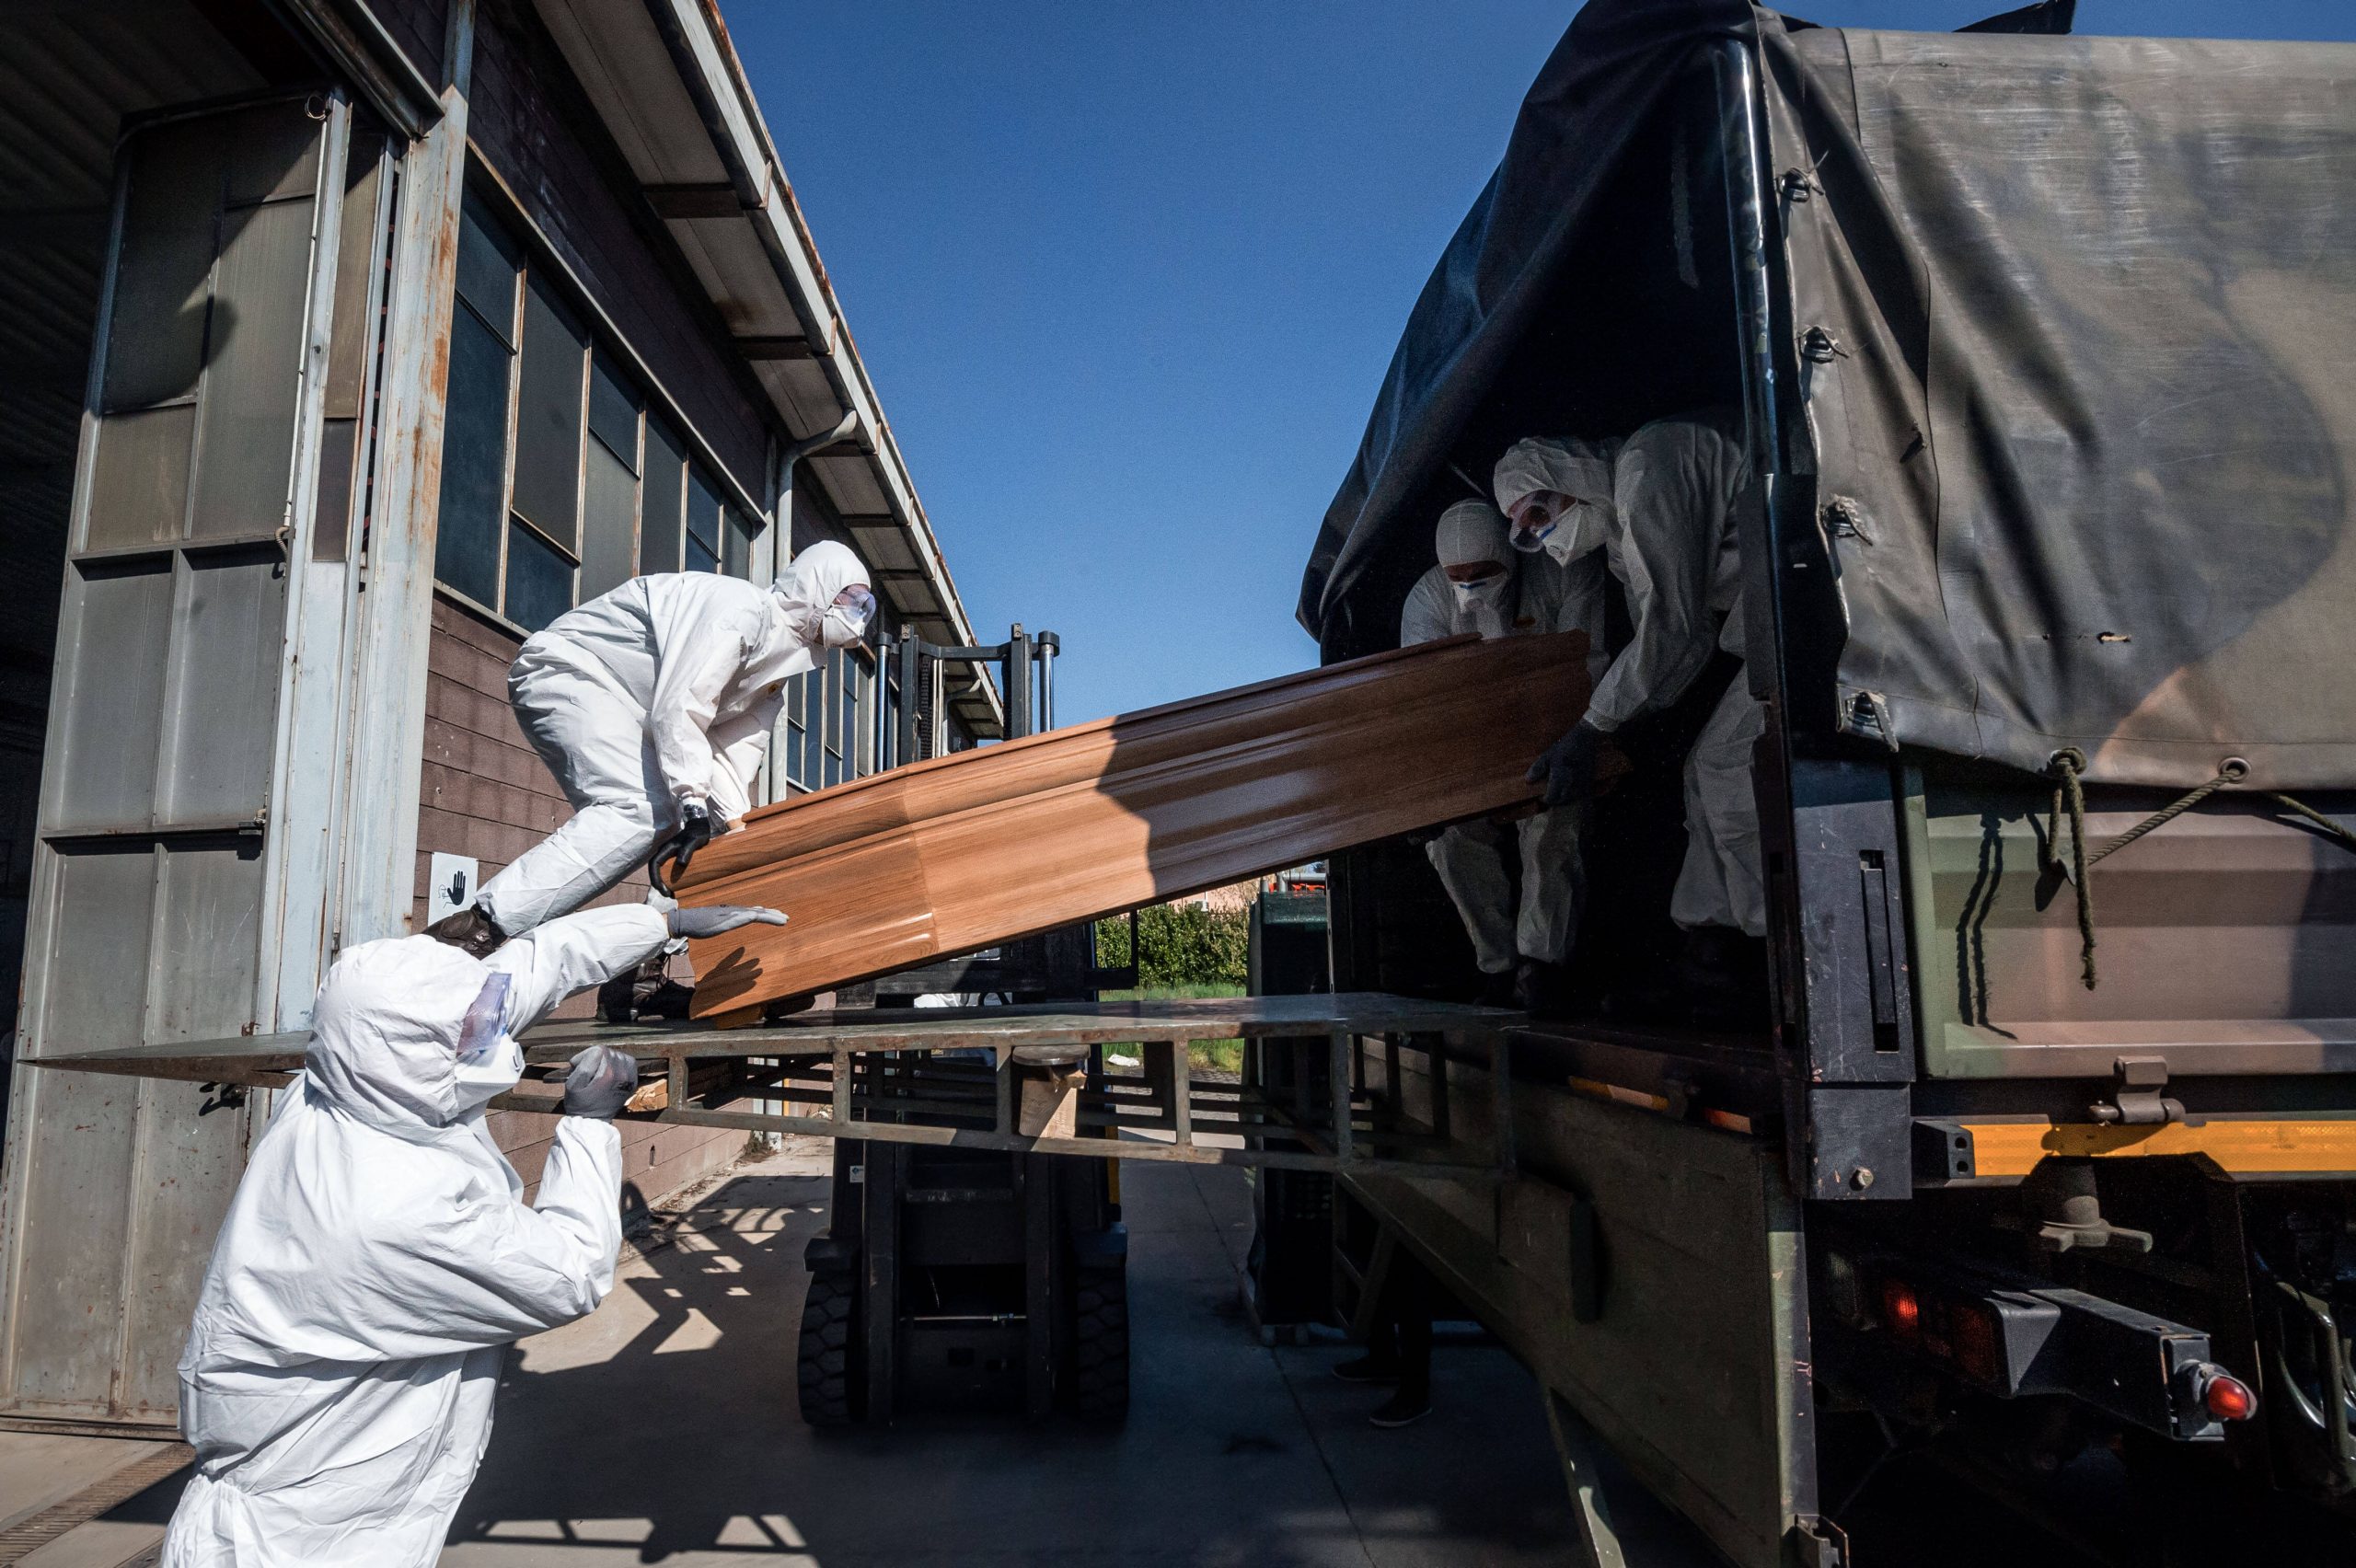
829,1366
1101,1344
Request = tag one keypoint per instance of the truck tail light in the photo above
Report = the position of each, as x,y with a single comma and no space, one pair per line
2226,1397
1901,1310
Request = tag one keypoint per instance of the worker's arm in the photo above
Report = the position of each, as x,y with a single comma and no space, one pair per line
739,744
1429,613
697,658
573,952
1672,506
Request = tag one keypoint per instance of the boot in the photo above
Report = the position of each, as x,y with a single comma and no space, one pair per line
469,930
1497,989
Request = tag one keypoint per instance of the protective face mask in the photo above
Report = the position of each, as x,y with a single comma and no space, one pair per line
489,1062
1529,541
1477,595
845,623
1580,530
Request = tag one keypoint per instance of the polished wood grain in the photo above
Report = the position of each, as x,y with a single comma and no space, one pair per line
966,851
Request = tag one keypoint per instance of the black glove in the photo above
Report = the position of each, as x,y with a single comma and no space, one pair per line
1567,767
600,1083
696,828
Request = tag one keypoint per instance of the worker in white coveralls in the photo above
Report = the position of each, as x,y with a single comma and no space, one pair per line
378,1258
653,705
1479,586
1659,507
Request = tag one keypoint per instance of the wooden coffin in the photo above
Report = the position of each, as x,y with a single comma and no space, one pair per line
967,851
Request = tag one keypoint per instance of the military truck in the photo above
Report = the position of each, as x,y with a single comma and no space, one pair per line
2036,1174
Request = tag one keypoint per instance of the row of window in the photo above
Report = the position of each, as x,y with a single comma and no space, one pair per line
558,483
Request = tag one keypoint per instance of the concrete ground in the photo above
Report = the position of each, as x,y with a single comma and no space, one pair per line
662,1429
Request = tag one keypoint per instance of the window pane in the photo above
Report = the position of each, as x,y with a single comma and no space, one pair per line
834,770
474,463
658,530
813,747
608,525
487,271
858,747
835,701
613,413
539,580
794,721
736,550
548,418
703,525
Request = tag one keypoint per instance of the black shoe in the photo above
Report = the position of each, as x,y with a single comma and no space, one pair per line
469,930
1497,990
618,999
1402,1409
1367,1370
666,998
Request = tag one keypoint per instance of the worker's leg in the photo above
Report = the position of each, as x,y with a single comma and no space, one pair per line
1471,861
1720,883
1553,883
1407,1302
593,740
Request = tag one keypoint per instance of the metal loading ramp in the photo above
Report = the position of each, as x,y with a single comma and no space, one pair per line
1022,1079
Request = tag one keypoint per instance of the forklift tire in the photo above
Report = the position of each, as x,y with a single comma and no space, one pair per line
1101,1344
829,1364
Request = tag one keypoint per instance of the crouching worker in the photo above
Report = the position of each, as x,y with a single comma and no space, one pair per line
1520,935
652,707
378,1258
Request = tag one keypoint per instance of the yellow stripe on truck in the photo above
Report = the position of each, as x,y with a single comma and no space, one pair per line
2253,1146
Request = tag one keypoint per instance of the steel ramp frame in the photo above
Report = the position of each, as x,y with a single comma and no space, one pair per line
887,1076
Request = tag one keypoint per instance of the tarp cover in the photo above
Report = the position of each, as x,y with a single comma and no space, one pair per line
2093,304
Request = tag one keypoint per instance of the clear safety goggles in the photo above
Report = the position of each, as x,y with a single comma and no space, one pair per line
485,1022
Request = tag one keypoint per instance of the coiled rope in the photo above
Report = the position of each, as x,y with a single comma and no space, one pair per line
2067,764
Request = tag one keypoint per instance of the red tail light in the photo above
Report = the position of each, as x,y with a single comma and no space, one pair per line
1901,1310
2228,1398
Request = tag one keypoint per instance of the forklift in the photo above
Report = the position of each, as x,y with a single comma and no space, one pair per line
960,1279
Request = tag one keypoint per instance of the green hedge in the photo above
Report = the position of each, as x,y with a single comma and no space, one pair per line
1181,945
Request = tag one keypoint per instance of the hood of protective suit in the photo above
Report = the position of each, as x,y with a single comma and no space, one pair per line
385,1037
1472,531
809,587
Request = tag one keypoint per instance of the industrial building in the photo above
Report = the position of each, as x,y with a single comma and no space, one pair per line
342,344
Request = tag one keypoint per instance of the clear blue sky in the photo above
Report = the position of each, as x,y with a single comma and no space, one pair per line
1127,276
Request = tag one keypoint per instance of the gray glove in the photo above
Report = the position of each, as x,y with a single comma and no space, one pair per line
715,919
1567,767
600,1083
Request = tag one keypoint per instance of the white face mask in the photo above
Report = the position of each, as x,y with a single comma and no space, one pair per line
1580,530
1481,593
490,1062
846,622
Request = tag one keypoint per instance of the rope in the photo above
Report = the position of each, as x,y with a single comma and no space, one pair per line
2070,794
2067,764
2335,829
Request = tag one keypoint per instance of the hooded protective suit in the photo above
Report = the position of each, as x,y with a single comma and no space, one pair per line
378,1259
1532,593
658,695
1669,536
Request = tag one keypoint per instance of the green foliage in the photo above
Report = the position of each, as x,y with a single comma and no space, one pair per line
1181,945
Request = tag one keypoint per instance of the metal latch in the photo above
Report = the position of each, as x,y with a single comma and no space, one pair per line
2135,1101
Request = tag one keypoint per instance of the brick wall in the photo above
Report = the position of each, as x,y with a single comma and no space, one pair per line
486,793
536,128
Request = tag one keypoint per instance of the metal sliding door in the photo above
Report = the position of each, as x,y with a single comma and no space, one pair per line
188,818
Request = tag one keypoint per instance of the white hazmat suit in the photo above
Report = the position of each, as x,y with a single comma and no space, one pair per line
1659,506
1470,857
656,696
378,1259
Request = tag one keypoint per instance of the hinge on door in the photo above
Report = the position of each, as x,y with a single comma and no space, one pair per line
2135,1098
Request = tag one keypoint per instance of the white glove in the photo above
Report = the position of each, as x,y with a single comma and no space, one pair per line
600,1083
714,919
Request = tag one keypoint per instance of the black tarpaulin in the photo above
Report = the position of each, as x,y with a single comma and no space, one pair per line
2092,310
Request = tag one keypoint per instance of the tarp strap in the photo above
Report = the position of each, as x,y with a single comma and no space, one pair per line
2066,766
